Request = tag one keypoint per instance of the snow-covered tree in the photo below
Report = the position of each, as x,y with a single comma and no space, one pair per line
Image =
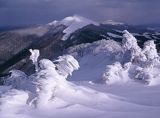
132,52
142,64
116,73
66,65
50,78
150,50
45,81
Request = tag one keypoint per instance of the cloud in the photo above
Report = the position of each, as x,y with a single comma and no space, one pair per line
23,12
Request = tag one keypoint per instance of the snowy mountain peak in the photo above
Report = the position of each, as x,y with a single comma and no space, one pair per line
111,22
73,19
72,23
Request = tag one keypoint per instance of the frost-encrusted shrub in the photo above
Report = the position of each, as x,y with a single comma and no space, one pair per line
150,50
132,52
116,73
34,57
45,81
49,78
66,65
144,64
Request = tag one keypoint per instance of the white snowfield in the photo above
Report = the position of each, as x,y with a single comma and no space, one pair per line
72,24
111,80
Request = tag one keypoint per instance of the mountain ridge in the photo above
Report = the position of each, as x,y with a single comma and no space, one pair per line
48,38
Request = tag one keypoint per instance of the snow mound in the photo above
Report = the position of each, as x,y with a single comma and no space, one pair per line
72,24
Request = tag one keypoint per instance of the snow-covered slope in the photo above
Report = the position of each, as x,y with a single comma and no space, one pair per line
93,58
98,80
115,63
72,24
48,94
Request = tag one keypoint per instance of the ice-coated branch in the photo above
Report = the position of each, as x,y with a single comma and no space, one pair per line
34,57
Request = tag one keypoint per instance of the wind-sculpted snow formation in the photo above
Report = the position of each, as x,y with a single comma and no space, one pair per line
137,64
41,87
34,57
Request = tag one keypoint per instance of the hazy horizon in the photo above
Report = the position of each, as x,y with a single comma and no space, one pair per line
32,12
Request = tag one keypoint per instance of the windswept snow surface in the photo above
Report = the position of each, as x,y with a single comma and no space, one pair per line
107,85
72,24
83,100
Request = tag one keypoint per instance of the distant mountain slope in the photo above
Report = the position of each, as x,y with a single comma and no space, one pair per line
49,39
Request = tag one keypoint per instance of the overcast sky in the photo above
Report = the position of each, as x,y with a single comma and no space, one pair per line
27,12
